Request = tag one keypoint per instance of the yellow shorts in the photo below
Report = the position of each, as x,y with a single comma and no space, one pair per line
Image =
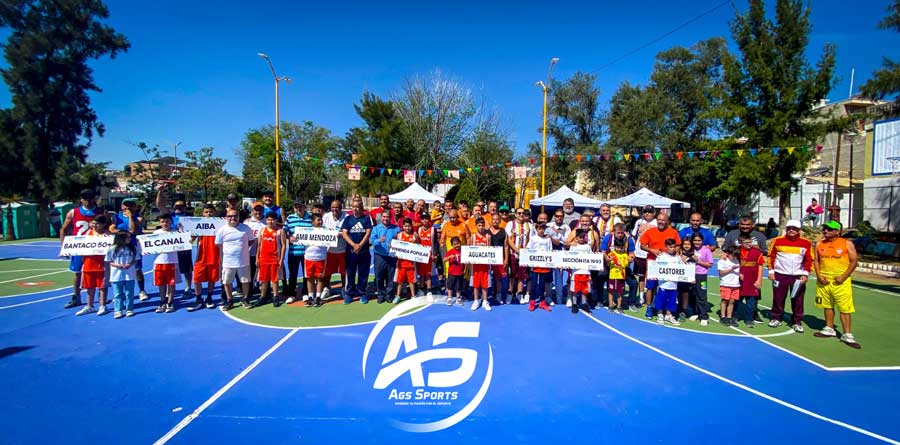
835,296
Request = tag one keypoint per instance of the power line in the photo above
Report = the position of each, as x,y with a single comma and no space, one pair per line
661,37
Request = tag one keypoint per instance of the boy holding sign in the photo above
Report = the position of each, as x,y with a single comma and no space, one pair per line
480,271
667,295
270,257
165,269
206,269
406,269
752,260
93,270
541,276
581,277
314,266
455,272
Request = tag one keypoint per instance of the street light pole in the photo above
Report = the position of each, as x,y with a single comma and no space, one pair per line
277,126
545,87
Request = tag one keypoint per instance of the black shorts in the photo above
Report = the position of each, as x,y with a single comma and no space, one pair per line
456,283
185,264
685,287
640,267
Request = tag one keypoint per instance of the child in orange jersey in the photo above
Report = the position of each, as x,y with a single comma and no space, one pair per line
270,256
206,268
406,269
94,271
480,272
426,238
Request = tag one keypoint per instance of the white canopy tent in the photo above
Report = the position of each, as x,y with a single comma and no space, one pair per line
645,197
556,199
415,192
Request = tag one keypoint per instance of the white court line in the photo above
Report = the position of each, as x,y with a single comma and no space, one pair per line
747,388
34,276
30,270
250,323
190,417
34,301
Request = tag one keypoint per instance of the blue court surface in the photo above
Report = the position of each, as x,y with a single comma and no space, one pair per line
422,374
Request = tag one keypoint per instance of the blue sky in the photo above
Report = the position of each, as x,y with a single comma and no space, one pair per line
192,74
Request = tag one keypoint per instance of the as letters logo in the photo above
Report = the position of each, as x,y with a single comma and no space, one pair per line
436,375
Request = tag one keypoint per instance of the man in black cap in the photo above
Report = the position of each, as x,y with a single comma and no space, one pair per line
78,223
233,202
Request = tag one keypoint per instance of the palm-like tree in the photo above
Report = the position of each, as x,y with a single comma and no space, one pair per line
10,234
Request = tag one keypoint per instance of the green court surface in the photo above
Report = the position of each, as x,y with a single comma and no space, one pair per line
874,325
333,313
19,276
27,241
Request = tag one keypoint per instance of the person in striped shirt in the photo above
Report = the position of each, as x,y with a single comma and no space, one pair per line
296,252
790,261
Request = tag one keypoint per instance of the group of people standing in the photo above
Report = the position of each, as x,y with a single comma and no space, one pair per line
259,254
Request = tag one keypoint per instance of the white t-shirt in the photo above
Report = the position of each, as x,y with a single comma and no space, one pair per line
166,258
522,230
642,226
538,243
560,233
235,242
332,223
732,279
666,258
316,253
581,248
123,256
254,225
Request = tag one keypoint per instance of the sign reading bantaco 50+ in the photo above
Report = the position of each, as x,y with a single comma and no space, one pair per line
85,245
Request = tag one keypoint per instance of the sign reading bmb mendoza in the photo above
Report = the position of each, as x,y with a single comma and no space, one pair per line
315,236
410,251
199,226
166,242
85,245
680,272
482,255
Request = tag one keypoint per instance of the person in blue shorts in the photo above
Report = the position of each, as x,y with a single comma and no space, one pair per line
128,220
78,223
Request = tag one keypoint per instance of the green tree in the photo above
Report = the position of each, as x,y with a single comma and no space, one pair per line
146,176
487,152
49,46
464,191
886,81
771,93
380,142
205,177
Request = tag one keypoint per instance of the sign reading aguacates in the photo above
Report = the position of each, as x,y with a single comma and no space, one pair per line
482,255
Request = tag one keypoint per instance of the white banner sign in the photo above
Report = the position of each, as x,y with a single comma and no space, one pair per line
482,255
409,176
680,272
353,174
85,245
164,242
578,260
537,258
410,251
198,226
315,236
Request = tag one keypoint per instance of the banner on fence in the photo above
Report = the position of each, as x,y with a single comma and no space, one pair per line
315,236
579,260
680,272
85,245
165,242
199,226
537,258
482,255
410,251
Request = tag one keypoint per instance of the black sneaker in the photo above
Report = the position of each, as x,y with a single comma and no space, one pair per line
310,302
196,307
318,301
747,324
160,309
75,301
574,308
209,303
227,306
246,304
586,308
380,299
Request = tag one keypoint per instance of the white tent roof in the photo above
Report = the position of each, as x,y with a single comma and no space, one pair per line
556,199
415,192
644,197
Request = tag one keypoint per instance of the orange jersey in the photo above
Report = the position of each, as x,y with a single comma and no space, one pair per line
481,240
426,236
208,253
93,263
834,259
410,238
450,230
269,244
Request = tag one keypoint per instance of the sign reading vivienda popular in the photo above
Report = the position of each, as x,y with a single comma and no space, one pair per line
315,236
410,251
85,245
199,226
578,260
482,255
680,272
165,242
537,258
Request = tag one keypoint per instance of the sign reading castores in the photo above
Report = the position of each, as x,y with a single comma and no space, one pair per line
680,272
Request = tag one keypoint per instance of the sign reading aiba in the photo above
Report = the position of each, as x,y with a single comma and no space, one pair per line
199,226
166,242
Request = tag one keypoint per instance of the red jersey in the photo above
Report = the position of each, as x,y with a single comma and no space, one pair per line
207,252
750,260
93,263
269,245
481,240
81,222
456,268
410,238
426,235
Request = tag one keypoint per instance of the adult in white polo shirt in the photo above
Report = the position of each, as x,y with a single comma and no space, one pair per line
335,262
234,239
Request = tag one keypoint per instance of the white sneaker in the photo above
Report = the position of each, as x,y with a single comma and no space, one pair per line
86,310
774,323
450,301
797,328
475,305
693,318
672,320
486,306
526,298
568,302
305,297
827,331
325,294
429,298
143,296
508,299
704,323
848,338
660,318
552,303
102,310
289,300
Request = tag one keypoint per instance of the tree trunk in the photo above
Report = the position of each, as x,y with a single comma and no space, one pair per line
784,207
43,212
10,232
